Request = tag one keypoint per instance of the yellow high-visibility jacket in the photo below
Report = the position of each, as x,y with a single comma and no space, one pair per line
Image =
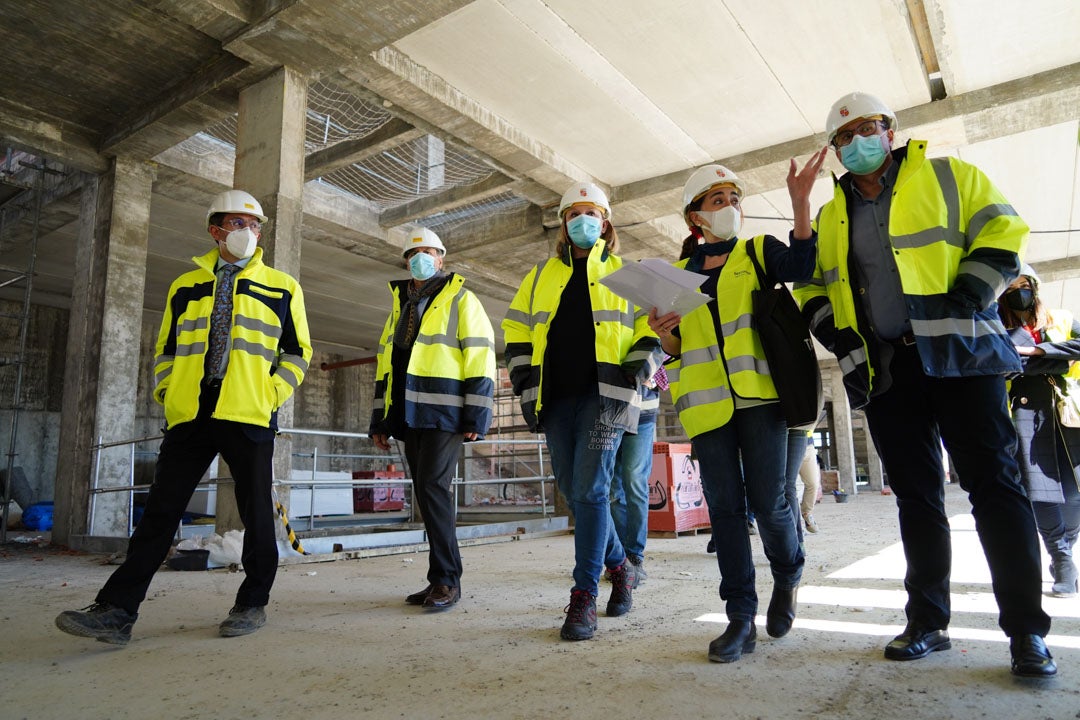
270,347
627,351
450,379
708,373
957,244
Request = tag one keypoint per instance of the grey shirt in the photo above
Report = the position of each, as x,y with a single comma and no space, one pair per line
876,275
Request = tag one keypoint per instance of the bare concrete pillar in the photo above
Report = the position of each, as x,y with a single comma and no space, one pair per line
270,166
873,463
101,376
843,437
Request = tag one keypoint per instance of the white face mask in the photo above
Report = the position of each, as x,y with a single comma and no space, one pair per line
241,243
723,223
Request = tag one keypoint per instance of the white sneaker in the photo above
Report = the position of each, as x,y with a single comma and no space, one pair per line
808,522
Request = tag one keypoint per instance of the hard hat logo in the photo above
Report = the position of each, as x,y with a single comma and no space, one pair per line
844,111
423,238
235,201
585,192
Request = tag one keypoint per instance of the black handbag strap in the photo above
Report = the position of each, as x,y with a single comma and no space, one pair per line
762,279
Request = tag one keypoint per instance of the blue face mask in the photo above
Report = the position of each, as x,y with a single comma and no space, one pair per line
584,230
864,155
422,266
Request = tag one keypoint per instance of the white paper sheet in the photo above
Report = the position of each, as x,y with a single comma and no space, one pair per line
655,283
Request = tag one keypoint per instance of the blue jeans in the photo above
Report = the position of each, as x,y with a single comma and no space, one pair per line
759,435
583,460
796,451
630,488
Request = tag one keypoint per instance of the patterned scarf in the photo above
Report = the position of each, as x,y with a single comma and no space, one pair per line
409,323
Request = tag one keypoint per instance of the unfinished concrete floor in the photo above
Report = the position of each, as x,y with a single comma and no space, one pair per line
340,643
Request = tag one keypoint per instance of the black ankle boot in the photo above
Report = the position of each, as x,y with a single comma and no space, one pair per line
739,638
781,613
1065,576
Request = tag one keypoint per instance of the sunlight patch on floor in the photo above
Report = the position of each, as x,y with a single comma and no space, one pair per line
968,567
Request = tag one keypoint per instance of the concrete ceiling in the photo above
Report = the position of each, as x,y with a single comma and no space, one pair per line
631,94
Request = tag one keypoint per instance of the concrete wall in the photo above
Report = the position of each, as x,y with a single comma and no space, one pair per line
328,400
42,387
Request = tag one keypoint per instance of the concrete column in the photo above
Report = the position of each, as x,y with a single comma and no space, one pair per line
101,377
842,435
270,166
431,162
873,462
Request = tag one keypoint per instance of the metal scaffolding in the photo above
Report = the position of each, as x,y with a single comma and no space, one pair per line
22,186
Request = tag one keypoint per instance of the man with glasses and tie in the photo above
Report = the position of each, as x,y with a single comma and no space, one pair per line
912,254
232,348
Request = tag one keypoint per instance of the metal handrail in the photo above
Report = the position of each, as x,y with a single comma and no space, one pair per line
459,479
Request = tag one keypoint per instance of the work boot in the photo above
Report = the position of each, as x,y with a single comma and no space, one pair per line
639,568
740,638
623,581
781,613
242,620
1064,573
104,622
580,616
418,598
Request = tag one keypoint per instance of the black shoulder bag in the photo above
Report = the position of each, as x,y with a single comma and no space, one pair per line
789,350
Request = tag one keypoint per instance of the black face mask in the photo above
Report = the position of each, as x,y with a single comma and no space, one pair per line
1020,299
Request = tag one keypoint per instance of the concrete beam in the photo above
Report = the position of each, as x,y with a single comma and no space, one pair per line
394,133
394,76
213,73
1054,270
448,199
26,129
493,231
1026,104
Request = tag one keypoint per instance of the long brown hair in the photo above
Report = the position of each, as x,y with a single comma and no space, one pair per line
695,237
1039,313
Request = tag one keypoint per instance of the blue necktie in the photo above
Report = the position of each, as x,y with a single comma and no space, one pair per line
220,321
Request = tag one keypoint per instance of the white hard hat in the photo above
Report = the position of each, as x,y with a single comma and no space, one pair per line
585,193
1029,272
236,202
706,177
854,106
421,238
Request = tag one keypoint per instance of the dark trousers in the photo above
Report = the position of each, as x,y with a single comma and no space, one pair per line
186,452
432,456
908,423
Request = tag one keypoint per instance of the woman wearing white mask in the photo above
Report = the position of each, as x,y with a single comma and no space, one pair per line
577,353
434,386
726,399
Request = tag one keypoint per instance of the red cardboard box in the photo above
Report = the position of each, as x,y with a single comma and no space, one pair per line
375,498
676,502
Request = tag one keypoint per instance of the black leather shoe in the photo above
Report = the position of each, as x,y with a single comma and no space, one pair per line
740,638
418,598
1030,658
915,643
781,613
442,597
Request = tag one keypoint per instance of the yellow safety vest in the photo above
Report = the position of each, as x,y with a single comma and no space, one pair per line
708,373
625,346
450,379
957,245
269,352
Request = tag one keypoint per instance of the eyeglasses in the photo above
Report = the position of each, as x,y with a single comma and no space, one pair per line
844,137
240,224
